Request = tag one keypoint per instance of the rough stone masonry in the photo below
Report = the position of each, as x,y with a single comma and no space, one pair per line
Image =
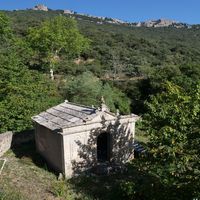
5,142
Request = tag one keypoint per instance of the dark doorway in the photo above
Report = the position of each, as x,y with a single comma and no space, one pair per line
103,147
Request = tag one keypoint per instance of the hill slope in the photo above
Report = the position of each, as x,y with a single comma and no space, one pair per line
130,48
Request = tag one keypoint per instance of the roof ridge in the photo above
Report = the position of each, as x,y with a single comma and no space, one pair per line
56,108
75,110
82,118
47,111
80,105
72,109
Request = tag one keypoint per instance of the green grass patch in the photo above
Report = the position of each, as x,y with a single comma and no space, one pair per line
9,193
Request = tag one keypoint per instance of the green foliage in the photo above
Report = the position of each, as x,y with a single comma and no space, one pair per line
54,37
137,49
87,89
115,99
151,56
23,93
63,190
60,189
84,89
5,30
185,76
11,195
172,122
128,189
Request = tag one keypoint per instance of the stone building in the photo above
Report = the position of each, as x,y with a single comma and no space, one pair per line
73,137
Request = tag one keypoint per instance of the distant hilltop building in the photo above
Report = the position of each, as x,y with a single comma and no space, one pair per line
40,7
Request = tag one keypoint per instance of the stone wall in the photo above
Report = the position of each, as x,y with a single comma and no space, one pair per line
10,139
23,137
80,147
49,145
5,142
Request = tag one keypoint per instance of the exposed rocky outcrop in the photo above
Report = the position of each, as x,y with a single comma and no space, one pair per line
71,12
116,21
102,20
161,23
40,7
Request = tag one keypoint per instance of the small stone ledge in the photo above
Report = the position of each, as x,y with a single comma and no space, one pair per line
5,142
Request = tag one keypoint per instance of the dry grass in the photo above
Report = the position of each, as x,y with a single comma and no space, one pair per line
26,178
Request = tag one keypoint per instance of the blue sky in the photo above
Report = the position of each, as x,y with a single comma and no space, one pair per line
129,10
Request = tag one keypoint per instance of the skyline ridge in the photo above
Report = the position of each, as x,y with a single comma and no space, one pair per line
128,11
89,15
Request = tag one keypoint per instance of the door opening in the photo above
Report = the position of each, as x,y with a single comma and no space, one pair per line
103,147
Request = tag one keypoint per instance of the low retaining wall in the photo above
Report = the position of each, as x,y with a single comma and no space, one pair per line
10,139
5,142
23,137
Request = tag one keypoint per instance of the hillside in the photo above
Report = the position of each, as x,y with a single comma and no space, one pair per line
133,49
138,59
47,57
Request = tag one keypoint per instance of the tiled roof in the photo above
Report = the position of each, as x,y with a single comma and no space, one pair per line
65,115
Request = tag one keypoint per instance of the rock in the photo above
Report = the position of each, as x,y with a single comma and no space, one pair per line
40,7
68,12
158,23
60,177
161,23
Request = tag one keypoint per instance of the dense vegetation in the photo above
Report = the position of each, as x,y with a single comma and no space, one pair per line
154,72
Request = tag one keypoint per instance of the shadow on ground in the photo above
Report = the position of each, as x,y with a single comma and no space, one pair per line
110,187
135,184
115,149
26,152
24,148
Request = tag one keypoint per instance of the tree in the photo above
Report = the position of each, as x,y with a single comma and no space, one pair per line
5,30
84,89
23,93
88,89
170,169
116,99
173,126
56,37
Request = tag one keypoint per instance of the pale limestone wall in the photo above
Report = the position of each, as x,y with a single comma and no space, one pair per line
75,148
49,145
73,144
123,142
80,150
5,142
